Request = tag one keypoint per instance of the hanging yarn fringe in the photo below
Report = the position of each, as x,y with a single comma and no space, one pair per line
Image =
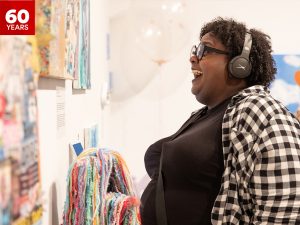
100,191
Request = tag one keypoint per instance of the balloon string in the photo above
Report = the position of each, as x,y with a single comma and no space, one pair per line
159,103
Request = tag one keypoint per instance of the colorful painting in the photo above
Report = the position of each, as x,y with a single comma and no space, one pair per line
84,81
72,38
286,86
19,158
91,137
5,193
63,34
57,44
50,32
43,34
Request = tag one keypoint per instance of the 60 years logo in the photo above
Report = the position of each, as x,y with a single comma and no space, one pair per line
17,17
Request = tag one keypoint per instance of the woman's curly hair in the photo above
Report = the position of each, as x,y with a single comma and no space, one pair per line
232,36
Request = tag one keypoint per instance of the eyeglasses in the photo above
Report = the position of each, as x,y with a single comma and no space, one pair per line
202,49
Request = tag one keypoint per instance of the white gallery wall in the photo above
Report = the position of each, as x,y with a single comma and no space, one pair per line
161,107
82,110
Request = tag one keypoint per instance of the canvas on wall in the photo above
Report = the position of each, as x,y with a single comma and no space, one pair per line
83,80
72,35
286,86
19,152
63,34
5,193
50,32
91,137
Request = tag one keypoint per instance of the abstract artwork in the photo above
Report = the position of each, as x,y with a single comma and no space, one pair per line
5,193
72,38
63,34
50,33
83,81
286,86
20,186
91,137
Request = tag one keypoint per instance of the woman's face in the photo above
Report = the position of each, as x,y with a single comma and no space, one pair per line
210,73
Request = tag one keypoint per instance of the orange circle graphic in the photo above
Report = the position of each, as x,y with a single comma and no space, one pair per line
297,77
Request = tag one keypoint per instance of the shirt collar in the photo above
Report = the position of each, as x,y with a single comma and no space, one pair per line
253,90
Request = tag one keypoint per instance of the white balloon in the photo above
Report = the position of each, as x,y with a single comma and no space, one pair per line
160,31
142,38
131,71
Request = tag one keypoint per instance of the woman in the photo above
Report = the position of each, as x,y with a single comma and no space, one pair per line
237,159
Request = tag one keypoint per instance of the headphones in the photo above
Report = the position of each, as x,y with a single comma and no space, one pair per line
240,66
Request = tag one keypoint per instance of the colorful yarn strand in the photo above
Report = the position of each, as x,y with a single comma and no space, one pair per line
100,191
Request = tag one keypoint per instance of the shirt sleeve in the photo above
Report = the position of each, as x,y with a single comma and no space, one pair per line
275,182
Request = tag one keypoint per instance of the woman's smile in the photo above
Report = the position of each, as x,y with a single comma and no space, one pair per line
197,74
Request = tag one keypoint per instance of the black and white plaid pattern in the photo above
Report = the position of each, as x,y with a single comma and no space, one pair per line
261,144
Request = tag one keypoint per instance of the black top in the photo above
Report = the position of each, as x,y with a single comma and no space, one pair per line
192,169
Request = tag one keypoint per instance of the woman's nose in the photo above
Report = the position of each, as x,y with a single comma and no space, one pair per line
193,59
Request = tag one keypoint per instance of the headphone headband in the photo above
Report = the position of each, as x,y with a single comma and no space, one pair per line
247,45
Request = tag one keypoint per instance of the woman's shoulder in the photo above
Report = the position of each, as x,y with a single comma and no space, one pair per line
258,100
259,110
255,110
262,104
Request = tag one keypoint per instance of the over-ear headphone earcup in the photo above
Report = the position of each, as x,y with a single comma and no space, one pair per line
239,67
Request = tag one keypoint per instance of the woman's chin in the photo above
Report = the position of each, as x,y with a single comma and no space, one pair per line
195,90
198,95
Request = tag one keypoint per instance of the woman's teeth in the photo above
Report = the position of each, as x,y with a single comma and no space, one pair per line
197,73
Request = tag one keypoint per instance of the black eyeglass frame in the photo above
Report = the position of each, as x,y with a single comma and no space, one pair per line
199,50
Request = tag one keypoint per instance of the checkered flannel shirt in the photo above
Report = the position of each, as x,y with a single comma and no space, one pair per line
261,144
